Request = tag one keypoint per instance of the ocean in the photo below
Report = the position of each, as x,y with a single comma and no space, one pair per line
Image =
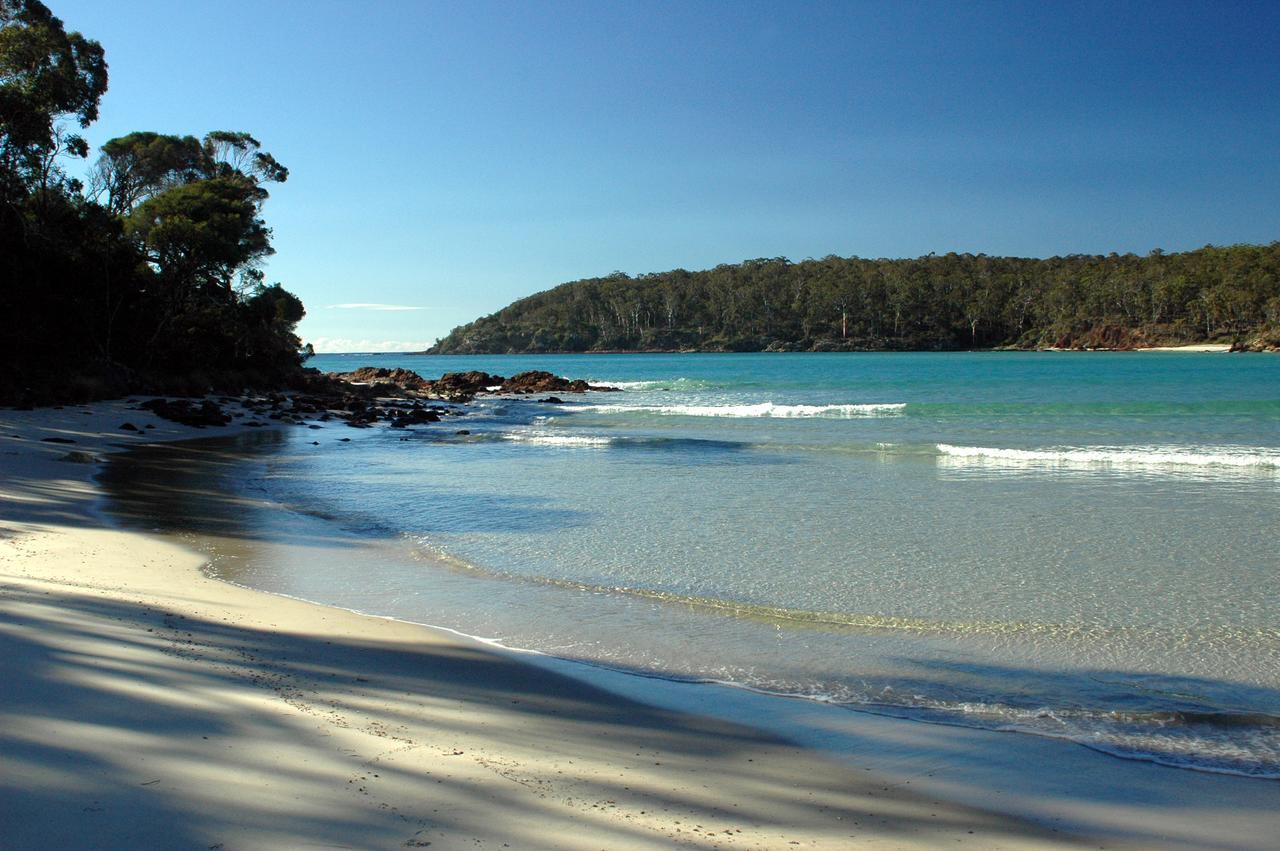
1074,545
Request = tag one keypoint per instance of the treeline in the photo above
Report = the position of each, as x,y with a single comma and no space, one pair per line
939,302
145,275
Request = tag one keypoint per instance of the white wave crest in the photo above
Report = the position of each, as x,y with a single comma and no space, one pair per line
761,409
1144,456
543,438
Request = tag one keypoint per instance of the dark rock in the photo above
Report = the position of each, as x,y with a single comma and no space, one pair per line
313,427
463,386
56,440
344,440
539,381
462,431
552,400
381,377
187,412
128,427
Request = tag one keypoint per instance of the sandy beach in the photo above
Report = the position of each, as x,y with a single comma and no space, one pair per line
1193,347
146,705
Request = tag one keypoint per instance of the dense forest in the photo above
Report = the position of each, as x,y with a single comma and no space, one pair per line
144,275
939,302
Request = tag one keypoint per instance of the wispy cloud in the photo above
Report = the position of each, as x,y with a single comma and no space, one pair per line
374,306
336,345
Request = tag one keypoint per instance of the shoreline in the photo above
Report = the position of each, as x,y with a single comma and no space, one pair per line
501,741
147,704
1188,347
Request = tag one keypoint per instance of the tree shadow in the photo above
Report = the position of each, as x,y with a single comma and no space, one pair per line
197,488
141,726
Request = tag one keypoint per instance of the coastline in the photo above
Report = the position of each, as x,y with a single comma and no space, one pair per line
1188,347
200,710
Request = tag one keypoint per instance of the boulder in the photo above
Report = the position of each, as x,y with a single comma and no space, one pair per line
384,379
454,384
187,412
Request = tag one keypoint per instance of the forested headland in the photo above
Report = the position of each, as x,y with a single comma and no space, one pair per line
938,302
143,276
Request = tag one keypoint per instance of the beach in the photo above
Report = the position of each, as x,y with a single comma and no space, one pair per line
148,705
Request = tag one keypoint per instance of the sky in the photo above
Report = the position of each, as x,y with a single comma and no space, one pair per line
448,158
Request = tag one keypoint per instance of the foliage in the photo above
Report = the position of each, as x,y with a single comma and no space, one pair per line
147,279
938,302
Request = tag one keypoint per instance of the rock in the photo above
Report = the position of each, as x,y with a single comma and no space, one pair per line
79,458
402,379
313,427
128,427
187,412
463,386
552,400
462,431
539,381
56,440
344,440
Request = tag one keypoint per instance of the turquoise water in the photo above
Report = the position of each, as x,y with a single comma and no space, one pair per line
1071,545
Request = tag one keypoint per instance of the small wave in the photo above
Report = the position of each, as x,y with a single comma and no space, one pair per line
761,409
1140,456
658,384
541,438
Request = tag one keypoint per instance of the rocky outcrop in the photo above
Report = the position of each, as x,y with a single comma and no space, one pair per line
404,379
458,386
538,381
188,412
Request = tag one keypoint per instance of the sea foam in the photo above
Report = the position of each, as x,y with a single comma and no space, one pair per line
542,438
1143,456
760,409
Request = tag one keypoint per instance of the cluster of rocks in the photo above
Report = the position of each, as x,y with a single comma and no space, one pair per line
185,411
398,397
464,386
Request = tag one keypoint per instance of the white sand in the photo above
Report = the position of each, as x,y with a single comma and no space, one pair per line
1194,347
145,705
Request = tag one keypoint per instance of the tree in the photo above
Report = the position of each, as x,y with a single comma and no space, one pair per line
135,167
47,75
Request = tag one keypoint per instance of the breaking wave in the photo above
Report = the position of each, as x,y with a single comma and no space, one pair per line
541,438
1239,457
761,409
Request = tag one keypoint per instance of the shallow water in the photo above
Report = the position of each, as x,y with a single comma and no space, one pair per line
1072,545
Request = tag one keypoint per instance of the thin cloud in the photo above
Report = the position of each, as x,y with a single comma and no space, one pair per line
340,345
374,306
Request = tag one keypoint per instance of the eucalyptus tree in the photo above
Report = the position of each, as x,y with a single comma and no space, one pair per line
48,77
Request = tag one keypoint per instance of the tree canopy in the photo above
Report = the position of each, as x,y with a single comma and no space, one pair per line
150,276
950,301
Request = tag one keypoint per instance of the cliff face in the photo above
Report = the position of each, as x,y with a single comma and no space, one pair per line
954,301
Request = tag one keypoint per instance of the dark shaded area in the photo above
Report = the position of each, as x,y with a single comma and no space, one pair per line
146,279
938,302
335,681
196,488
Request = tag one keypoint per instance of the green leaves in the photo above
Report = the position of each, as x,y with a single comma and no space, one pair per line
46,75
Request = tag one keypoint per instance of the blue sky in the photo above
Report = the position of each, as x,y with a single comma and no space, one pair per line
452,157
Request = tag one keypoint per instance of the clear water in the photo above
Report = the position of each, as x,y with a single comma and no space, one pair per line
1072,545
